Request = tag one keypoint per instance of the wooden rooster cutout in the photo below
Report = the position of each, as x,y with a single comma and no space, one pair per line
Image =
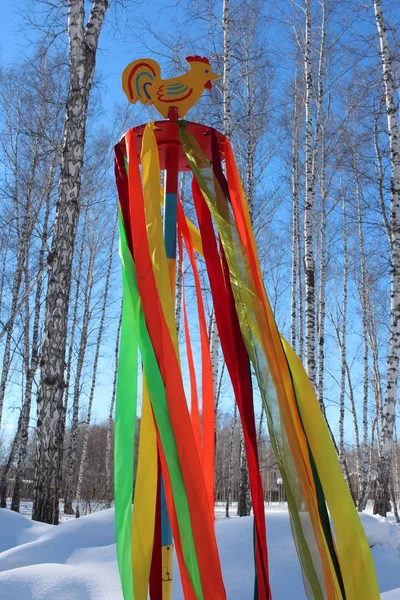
141,81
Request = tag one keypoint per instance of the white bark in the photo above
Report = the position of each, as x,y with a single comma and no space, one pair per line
214,350
379,181
343,349
355,425
82,52
250,133
363,473
260,427
383,476
4,250
320,150
300,284
226,73
219,388
73,438
322,282
178,295
309,262
244,503
396,465
230,454
376,376
74,321
295,175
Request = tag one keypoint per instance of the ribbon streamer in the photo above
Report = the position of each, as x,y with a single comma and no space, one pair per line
176,448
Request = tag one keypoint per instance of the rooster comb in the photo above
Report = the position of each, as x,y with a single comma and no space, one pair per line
196,58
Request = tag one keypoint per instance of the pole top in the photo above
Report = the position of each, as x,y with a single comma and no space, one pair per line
167,138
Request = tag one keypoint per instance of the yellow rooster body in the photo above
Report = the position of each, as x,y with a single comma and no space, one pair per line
142,82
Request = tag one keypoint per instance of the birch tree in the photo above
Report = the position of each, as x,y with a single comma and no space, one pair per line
73,434
382,494
83,41
309,263
227,129
32,351
296,303
320,153
230,455
74,321
343,346
363,292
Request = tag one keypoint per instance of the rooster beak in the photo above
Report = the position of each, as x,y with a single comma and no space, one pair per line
213,77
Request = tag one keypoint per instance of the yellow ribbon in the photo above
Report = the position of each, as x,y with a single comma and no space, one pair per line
144,504
355,559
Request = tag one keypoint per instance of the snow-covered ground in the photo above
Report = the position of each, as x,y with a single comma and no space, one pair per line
77,560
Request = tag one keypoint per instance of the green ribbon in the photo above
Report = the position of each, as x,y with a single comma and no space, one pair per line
138,332
124,432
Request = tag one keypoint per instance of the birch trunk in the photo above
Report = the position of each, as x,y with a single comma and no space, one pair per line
23,243
7,468
226,74
363,474
250,137
178,297
218,392
51,416
309,205
356,431
214,350
109,469
75,313
322,285
34,352
396,465
260,427
383,476
300,282
68,497
295,307
380,179
230,454
227,126
244,504
94,373
343,339
320,149
376,377
4,249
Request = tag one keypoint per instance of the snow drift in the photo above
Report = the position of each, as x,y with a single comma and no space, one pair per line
77,560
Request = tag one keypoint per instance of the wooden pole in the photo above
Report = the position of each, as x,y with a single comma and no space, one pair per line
170,214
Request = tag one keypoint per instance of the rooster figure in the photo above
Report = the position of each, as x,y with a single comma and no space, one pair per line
141,81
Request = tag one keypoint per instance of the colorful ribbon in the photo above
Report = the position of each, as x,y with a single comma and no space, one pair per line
180,445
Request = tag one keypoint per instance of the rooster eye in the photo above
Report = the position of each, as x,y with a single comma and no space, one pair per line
206,71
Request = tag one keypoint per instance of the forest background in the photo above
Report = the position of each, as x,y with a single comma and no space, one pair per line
309,94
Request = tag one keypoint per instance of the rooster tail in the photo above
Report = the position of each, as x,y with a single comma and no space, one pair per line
139,80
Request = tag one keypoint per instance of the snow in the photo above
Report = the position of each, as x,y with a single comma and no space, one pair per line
77,559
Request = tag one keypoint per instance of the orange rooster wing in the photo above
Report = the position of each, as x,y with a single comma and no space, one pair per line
140,80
